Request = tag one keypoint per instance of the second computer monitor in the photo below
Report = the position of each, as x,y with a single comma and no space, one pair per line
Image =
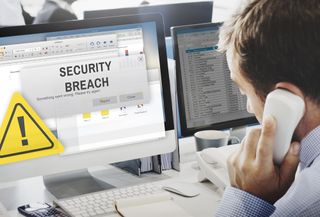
207,97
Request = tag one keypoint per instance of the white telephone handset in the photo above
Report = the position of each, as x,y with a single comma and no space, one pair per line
288,109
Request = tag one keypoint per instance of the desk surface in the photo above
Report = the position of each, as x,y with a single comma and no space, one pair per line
33,190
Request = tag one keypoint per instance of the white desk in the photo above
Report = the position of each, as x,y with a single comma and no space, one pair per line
204,205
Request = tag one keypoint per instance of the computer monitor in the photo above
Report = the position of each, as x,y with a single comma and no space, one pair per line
173,14
207,97
101,86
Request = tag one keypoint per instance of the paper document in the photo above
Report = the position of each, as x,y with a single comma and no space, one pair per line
158,205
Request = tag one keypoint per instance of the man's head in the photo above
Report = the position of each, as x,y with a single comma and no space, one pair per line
274,44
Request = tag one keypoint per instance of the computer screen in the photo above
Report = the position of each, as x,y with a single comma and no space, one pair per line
173,14
101,86
207,97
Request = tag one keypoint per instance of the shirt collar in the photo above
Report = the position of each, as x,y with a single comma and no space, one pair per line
310,148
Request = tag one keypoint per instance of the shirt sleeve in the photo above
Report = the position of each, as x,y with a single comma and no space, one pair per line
236,202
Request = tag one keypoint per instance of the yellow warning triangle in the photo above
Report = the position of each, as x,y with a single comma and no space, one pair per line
23,135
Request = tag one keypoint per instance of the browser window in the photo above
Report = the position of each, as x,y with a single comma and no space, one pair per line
94,88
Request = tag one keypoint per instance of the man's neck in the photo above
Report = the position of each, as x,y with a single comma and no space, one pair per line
310,121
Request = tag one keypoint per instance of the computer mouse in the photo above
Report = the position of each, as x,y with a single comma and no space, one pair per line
182,189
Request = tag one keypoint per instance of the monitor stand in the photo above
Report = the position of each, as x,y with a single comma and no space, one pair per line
238,132
73,183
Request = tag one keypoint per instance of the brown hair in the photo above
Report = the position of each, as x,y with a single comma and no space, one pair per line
277,40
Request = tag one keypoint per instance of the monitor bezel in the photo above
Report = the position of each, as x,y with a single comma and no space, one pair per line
185,131
110,21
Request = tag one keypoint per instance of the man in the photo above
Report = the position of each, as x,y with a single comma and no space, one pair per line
55,11
274,44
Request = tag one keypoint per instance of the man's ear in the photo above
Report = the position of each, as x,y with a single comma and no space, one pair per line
290,87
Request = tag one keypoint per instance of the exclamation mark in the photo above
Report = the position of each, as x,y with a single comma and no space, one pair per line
22,130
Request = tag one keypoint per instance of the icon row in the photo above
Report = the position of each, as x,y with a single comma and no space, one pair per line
105,113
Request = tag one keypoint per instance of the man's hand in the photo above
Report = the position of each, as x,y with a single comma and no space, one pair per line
252,169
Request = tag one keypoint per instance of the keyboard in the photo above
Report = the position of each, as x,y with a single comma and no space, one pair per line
101,203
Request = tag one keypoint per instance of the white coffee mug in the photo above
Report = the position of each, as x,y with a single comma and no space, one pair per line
212,138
